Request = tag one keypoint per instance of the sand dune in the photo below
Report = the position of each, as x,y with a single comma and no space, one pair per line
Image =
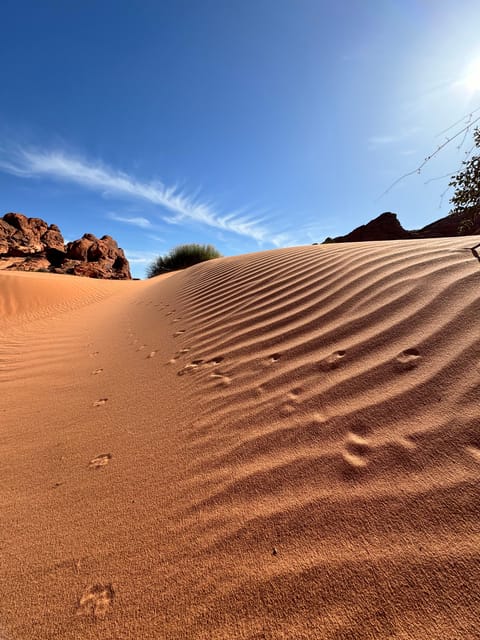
279,445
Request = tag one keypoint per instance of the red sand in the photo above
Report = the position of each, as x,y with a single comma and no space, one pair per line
278,445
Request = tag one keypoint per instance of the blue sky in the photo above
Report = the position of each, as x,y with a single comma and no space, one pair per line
249,124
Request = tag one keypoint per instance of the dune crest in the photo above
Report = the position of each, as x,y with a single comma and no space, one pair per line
277,445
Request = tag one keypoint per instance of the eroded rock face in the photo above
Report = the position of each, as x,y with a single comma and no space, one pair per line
21,236
92,257
388,227
30,244
385,227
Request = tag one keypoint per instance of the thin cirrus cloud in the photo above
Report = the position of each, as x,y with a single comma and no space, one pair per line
139,221
182,207
377,142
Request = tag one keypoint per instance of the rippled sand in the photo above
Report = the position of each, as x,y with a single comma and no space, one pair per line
284,444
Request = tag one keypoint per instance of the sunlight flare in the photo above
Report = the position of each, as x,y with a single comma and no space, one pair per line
471,80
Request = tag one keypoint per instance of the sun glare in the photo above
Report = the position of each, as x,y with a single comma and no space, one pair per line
471,79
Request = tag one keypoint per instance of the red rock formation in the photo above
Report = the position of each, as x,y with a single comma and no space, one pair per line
387,227
92,257
30,244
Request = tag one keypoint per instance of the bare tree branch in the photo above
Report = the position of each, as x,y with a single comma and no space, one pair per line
464,130
465,118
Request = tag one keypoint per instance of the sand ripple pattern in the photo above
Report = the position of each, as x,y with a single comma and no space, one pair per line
282,445
347,438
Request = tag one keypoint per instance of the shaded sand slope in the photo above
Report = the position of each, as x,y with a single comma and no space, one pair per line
279,445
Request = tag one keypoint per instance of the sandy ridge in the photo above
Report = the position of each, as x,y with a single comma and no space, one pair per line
278,445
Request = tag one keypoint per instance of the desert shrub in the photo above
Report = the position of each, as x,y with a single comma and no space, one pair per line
181,257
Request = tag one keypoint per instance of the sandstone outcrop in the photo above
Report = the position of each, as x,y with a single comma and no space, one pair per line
387,227
30,244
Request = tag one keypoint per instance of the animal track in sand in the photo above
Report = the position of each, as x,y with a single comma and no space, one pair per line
100,461
94,354
408,359
286,409
96,601
356,448
141,347
333,360
221,378
199,362
288,403
152,354
100,402
188,368
95,372
275,357
294,394
178,355
319,418
354,461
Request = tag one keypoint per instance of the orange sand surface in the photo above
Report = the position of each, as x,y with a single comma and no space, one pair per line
284,444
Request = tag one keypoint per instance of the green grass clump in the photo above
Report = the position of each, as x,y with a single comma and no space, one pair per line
181,257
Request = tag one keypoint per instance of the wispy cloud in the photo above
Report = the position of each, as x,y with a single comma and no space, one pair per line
156,238
376,142
139,221
182,207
